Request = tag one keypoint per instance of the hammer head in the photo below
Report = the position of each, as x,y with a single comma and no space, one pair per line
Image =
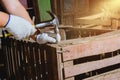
54,20
55,23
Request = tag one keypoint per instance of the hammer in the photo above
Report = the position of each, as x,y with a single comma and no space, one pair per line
54,22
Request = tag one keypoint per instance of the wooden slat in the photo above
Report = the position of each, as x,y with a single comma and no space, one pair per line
43,62
112,75
70,78
90,66
53,64
32,60
60,67
21,62
92,46
67,64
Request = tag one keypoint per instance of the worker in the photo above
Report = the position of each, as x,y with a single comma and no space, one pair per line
16,20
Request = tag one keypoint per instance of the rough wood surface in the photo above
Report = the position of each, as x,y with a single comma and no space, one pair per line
112,75
90,66
92,45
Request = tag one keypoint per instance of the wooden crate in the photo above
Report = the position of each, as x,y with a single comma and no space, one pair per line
81,58
72,59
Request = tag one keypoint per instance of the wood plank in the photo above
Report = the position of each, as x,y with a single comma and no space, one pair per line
91,45
53,64
111,75
70,78
90,66
67,64
60,67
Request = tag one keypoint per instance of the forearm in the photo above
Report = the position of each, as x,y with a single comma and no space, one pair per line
14,7
3,19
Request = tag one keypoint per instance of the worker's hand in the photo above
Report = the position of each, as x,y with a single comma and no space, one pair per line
19,27
44,38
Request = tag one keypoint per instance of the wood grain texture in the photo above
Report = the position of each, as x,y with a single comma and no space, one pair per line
90,66
112,75
92,46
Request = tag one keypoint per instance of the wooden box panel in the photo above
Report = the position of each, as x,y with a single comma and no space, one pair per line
86,48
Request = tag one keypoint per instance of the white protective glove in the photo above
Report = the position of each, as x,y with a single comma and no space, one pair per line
19,27
44,38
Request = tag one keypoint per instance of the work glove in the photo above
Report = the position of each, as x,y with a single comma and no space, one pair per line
19,27
44,38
